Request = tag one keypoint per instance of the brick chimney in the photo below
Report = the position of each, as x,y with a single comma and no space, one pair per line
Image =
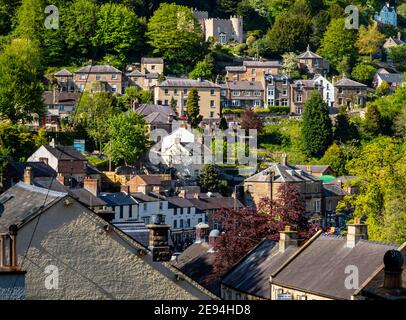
125,189
356,232
284,159
159,239
61,178
28,175
8,252
202,232
91,185
393,261
287,237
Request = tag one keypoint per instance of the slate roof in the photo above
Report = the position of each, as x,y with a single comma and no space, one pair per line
282,173
147,109
251,274
23,201
332,190
136,230
66,98
245,85
87,198
341,179
197,263
50,183
152,179
179,202
214,203
152,75
392,77
236,68
117,199
305,83
65,153
262,64
141,197
277,77
320,266
309,55
63,73
39,169
98,69
314,168
152,60
135,73
157,118
345,82
187,83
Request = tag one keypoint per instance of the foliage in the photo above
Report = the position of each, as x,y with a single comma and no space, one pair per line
203,69
364,72
344,131
134,96
397,54
20,88
289,63
193,109
335,158
279,109
317,129
128,139
369,39
250,120
209,178
373,120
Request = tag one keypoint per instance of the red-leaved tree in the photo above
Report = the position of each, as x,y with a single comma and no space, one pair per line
244,228
250,120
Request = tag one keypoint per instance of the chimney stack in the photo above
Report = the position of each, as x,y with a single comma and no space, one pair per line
284,159
213,236
202,232
91,185
356,232
28,175
393,261
61,178
287,237
125,189
8,252
159,238
52,143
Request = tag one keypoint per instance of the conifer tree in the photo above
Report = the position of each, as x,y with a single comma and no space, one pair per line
193,109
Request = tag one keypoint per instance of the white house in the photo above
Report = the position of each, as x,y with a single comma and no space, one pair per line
387,15
328,89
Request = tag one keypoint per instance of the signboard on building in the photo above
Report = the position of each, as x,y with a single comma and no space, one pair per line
79,145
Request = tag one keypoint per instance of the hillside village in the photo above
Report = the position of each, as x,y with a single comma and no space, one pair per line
213,150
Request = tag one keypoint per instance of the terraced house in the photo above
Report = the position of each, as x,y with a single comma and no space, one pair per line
243,94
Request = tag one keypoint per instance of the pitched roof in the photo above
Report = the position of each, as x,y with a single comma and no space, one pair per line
157,118
136,230
251,274
135,73
141,197
214,202
98,69
309,55
320,266
50,183
282,173
152,75
314,168
179,202
262,64
245,85
179,82
65,153
22,201
87,198
63,73
332,190
236,68
66,98
153,179
117,199
39,169
152,60
146,109
345,82
197,263
392,77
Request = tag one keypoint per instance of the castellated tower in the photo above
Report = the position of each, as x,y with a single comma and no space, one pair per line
237,23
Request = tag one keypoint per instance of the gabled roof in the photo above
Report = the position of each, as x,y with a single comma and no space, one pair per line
66,98
179,202
306,83
147,109
251,274
117,199
98,69
187,83
282,173
87,198
22,201
135,73
245,85
141,197
152,75
63,73
39,169
262,64
392,77
333,190
157,118
152,60
50,183
152,179
345,82
319,267
65,153
315,168
309,55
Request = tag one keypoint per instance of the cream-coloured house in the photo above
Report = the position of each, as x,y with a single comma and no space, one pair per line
70,252
178,89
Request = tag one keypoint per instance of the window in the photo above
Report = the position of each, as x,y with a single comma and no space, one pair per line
212,103
270,81
166,92
175,211
257,103
317,205
299,98
199,220
166,102
83,76
98,76
246,93
188,210
235,103
285,81
211,114
284,102
212,92
114,76
130,211
152,67
184,91
113,88
188,223
145,206
61,107
271,92
328,95
284,92
175,224
340,90
329,205
121,212
253,72
184,102
271,102
223,93
181,223
358,91
161,206
223,38
340,101
175,92
236,93
257,93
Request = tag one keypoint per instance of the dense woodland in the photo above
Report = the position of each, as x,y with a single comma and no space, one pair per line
120,32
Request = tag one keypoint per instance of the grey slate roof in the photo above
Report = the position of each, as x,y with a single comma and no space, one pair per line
23,201
305,83
87,198
320,266
65,153
152,75
63,73
156,118
187,83
39,169
245,85
152,60
282,173
66,98
332,190
136,230
262,64
141,197
50,183
236,68
309,55
98,69
315,168
345,82
392,77
146,109
179,202
135,73
251,274
117,199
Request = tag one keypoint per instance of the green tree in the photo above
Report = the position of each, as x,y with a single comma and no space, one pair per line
209,178
383,89
41,138
397,54
335,158
364,72
119,31
203,69
344,131
20,88
373,120
369,39
92,113
289,33
30,19
7,10
128,139
317,128
289,63
173,105
176,36
193,109
338,43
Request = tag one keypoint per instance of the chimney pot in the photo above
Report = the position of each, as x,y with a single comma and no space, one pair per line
284,159
393,260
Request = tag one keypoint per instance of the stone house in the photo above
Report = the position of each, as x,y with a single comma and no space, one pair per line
65,81
146,76
394,80
243,94
350,93
99,78
178,90
157,116
300,92
150,183
277,90
387,15
253,70
71,253
312,63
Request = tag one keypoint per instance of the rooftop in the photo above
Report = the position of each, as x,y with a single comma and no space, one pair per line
309,55
152,60
262,64
66,98
63,73
282,173
187,83
65,153
98,69
392,77
345,82
245,85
